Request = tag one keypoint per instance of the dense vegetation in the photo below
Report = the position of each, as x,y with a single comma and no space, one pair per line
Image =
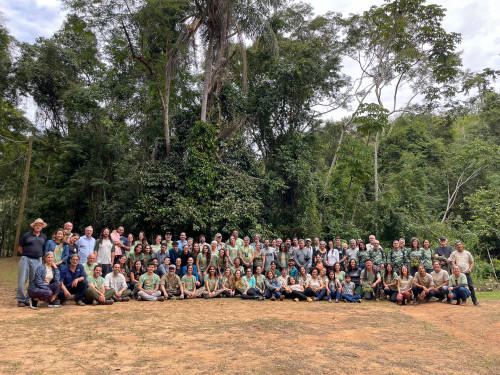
206,116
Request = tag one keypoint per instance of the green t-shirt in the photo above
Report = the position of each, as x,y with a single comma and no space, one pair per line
211,283
58,252
98,283
340,276
232,251
246,253
189,282
428,258
135,257
259,281
89,270
391,279
149,282
257,260
416,257
202,262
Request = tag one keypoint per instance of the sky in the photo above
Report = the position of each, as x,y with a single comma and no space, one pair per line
477,20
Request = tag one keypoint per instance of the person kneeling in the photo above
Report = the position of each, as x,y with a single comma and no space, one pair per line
458,289
423,284
370,280
148,286
73,281
96,293
116,281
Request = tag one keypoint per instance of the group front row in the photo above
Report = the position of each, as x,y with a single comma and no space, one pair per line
56,284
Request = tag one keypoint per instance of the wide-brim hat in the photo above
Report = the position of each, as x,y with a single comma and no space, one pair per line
38,221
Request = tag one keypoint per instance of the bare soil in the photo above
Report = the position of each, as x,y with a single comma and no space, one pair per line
247,337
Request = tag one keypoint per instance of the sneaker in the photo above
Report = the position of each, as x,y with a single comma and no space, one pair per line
116,299
336,301
316,299
262,298
21,304
330,301
309,299
160,298
63,303
282,297
33,304
108,302
80,303
358,300
139,298
476,303
296,299
273,298
94,303
325,298
125,299
54,304
464,303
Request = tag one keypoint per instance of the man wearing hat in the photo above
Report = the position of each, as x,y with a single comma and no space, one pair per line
31,249
442,253
170,284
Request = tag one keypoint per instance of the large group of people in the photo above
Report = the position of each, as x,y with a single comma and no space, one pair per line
118,268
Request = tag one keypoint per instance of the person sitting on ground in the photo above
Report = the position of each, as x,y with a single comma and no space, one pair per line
339,272
171,285
249,282
89,265
458,288
423,284
96,293
332,287
390,283
45,286
73,281
211,284
315,288
195,272
226,283
273,287
58,247
323,276
370,281
347,288
148,285
440,278
296,291
405,283
135,273
189,283
117,282
283,280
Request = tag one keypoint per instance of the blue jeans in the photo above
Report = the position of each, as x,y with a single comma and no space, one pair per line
334,294
318,295
461,293
351,298
272,293
25,270
441,293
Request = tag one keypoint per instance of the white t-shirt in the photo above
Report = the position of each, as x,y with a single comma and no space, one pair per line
104,252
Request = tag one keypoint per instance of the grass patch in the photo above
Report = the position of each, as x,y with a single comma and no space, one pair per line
8,269
488,295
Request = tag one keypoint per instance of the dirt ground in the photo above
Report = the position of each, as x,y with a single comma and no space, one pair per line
248,337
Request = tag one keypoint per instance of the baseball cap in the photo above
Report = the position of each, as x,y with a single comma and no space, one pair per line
442,238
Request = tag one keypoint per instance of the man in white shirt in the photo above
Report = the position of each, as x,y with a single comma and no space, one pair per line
115,280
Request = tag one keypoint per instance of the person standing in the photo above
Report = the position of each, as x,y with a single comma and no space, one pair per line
105,250
58,247
31,250
86,244
442,253
465,262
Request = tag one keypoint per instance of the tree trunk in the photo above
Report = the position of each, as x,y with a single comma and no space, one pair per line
206,81
355,204
347,199
335,157
375,176
244,68
166,102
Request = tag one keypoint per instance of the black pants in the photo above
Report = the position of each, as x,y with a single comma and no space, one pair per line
79,291
471,287
298,294
228,294
106,268
393,294
250,294
374,294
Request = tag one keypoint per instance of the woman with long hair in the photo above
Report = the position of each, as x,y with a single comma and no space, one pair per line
405,282
332,287
273,287
416,255
251,292
428,254
136,255
282,256
315,288
58,247
390,283
157,243
226,283
211,284
303,277
135,272
148,254
141,238
332,256
203,262
355,273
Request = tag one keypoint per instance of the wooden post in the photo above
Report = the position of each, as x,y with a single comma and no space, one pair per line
23,197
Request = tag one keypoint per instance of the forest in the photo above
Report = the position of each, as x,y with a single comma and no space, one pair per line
206,116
